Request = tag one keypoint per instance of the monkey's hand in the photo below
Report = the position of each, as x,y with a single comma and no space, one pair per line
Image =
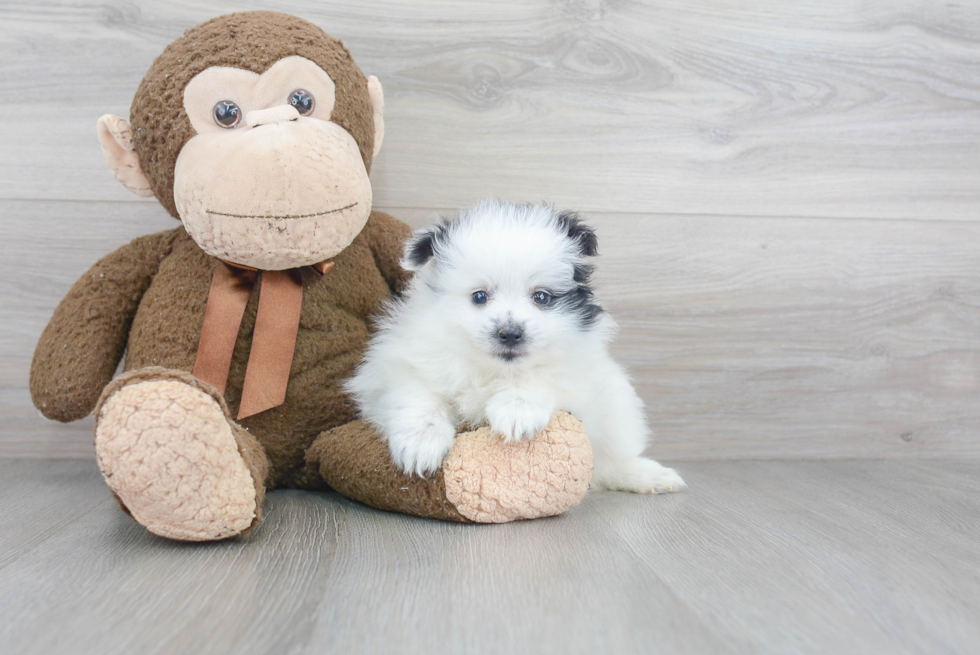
386,237
79,350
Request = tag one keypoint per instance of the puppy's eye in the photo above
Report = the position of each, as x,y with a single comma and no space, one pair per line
480,297
302,101
541,298
227,114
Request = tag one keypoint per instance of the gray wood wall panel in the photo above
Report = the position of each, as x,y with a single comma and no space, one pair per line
747,337
787,193
766,108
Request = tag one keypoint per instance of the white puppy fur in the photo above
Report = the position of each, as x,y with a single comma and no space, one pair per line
499,326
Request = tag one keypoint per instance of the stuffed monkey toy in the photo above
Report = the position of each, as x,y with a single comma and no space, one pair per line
256,130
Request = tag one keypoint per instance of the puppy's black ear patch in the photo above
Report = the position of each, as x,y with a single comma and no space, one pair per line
426,243
420,249
580,233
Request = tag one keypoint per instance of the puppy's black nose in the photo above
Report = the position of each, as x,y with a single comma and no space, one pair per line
510,335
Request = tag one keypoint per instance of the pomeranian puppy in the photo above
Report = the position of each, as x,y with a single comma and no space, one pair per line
500,326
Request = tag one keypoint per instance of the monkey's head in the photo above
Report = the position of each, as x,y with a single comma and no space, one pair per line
257,130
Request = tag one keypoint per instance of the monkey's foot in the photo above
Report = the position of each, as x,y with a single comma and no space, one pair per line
490,481
170,455
482,479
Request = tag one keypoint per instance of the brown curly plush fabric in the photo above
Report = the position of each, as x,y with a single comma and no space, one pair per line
482,480
156,289
252,41
355,462
80,348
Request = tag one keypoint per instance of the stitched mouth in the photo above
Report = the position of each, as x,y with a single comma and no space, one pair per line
259,216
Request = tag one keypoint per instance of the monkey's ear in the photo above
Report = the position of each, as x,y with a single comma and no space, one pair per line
115,137
378,105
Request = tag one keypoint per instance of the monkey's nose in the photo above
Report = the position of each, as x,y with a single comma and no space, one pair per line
510,335
271,115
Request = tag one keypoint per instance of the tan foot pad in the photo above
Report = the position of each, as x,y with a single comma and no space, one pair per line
490,481
168,452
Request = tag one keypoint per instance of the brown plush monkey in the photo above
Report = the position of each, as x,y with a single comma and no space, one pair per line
257,131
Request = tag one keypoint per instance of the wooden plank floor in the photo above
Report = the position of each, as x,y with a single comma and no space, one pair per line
758,557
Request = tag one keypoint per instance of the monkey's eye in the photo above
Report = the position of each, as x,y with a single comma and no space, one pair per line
302,101
480,297
541,298
227,114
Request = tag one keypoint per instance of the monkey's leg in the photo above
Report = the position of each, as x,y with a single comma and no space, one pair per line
482,480
175,460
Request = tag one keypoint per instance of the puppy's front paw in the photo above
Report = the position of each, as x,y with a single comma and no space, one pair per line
515,418
421,450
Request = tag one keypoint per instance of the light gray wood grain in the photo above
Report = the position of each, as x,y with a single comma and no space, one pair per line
758,557
768,108
759,338
747,337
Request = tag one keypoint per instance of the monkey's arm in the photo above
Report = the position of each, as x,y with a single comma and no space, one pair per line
81,347
386,236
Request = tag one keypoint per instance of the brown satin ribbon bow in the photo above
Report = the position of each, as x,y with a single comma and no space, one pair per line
274,337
